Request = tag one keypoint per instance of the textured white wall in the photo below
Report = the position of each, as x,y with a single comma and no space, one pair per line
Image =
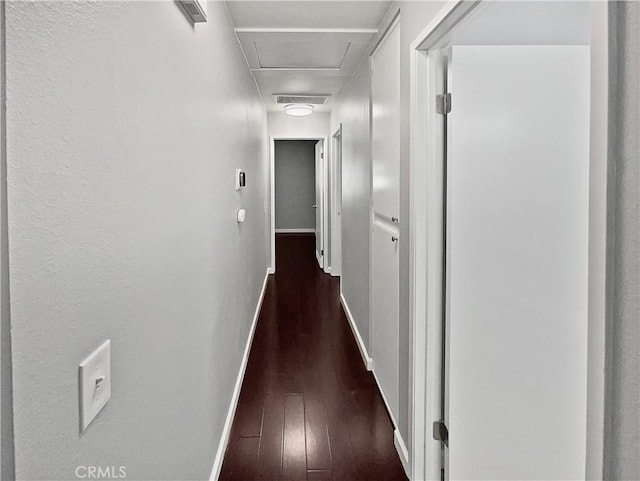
6,409
125,125
622,421
282,125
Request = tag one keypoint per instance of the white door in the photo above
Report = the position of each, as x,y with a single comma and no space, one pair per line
318,205
385,302
385,133
385,273
517,227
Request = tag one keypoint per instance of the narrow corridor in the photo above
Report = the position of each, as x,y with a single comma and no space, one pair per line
308,410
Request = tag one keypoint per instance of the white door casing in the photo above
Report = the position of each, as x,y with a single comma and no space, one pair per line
319,206
335,180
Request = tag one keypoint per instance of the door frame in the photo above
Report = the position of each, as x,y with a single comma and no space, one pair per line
426,234
335,203
272,194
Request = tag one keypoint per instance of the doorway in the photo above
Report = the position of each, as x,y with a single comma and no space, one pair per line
298,187
556,254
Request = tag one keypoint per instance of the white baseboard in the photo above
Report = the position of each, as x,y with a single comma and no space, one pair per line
226,431
386,402
368,361
398,442
403,452
295,231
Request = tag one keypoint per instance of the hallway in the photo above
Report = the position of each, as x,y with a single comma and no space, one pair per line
348,240
308,408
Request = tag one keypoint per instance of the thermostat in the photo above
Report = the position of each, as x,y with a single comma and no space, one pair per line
241,179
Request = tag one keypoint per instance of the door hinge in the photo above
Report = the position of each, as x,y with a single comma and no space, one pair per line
322,252
322,155
440,432
443,104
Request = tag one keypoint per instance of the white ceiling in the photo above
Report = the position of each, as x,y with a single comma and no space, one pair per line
305,47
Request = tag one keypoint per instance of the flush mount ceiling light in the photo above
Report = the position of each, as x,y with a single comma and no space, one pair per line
298,110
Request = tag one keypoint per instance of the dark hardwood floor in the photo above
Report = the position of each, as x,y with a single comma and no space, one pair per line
308,409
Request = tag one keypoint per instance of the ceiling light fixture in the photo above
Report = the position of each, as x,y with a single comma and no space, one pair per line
298,110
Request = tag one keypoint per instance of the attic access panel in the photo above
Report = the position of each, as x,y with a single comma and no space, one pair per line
305,54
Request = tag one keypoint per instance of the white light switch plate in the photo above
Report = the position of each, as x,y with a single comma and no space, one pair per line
95,383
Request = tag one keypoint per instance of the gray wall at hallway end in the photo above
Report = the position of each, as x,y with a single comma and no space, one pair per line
622,420
295,184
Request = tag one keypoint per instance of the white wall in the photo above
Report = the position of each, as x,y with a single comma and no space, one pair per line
282,125
123,137
352,109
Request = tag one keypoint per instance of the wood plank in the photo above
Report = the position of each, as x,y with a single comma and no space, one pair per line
316,433
319,476
270,454
242,464
294,459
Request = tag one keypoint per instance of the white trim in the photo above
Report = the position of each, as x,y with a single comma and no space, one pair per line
226,430
386,403
368,360
398,442
426,230
597,239
307,30
403,453
384,38
335,203
272,202
426,274
295,231
326,196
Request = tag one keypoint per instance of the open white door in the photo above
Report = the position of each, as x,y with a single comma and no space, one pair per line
517,232
318,206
